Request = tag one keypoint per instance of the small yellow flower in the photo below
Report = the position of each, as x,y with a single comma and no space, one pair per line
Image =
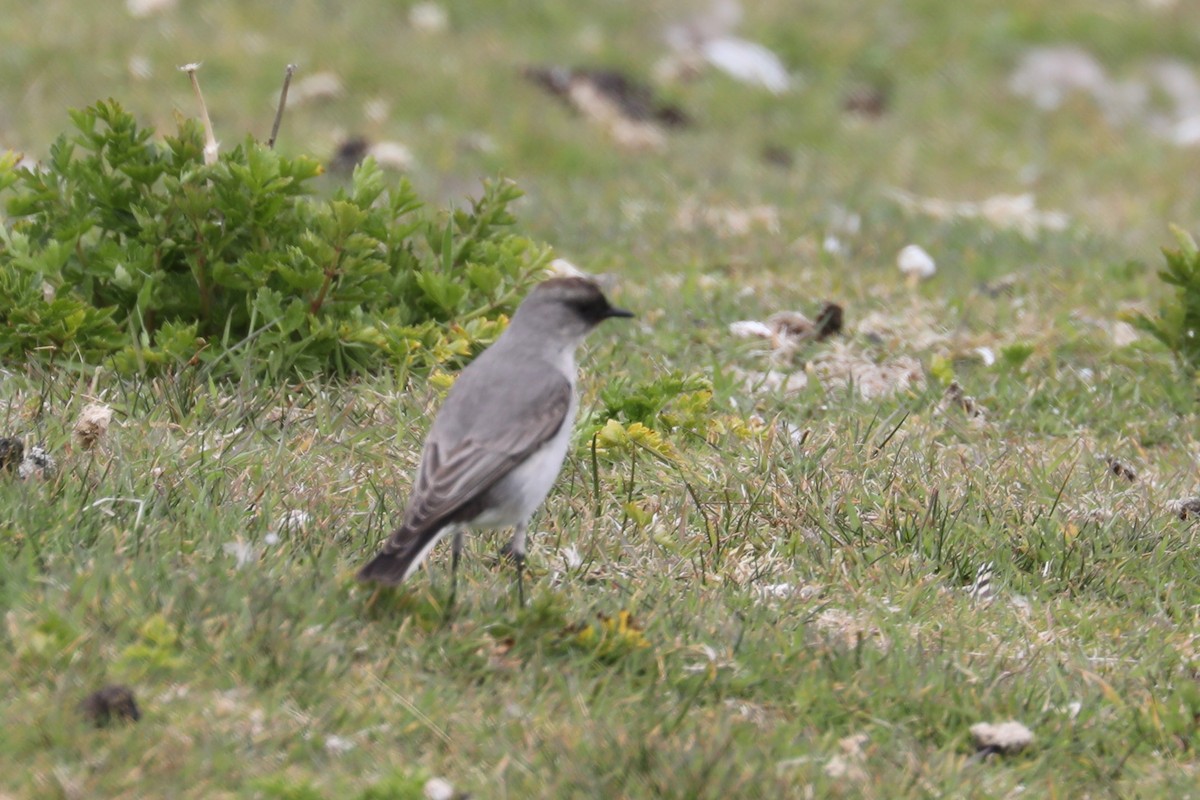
610,638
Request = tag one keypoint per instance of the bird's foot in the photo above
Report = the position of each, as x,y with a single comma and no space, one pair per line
512,555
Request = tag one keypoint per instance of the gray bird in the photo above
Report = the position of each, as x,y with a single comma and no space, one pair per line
498,442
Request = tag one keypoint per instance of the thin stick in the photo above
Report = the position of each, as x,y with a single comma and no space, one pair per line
210,140
287,81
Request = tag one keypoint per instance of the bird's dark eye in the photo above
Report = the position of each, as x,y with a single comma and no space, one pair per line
593,309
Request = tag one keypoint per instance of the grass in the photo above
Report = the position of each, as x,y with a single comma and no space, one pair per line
795,565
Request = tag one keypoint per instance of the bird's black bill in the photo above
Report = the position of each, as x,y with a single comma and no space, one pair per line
613,311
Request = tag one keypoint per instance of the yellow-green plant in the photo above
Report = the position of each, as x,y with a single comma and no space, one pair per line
124,248
1177,325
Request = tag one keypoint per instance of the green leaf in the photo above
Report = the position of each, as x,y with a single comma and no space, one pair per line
942,369
441,290
150,251
1187,245
1015,355
485,278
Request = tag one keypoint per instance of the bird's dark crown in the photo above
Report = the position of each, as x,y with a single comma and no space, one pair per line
581,295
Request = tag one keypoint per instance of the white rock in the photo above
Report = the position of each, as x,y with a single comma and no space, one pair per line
38,463
750,329
914,261
1185,132
428,17
338,744
317,86
1011,211
1006,737
1046,75
748,62
144,8
392,155
438,789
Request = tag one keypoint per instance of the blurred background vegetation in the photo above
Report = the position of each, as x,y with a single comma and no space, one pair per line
454,97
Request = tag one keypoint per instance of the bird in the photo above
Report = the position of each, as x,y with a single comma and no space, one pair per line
499,440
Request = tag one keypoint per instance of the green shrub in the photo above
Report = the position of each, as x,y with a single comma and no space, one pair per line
1177,324
124,249
663,406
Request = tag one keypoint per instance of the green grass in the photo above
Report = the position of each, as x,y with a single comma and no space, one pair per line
788,595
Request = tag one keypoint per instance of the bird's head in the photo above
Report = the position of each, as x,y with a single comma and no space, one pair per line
566,309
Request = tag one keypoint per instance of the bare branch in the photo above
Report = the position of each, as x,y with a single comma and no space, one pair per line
287,81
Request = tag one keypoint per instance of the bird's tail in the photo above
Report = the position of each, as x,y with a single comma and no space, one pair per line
400,556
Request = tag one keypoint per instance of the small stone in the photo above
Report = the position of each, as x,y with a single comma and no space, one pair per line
1185,508
144,8
114,702
37,464
866,100
791,324
750,329
830,321
748,62
439,789
338,744
428,17
392,155
319,86
915,262
1004,737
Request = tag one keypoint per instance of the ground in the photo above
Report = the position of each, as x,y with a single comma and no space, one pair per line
765,592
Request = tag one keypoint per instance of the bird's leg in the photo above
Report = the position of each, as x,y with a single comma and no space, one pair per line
516,549
456,546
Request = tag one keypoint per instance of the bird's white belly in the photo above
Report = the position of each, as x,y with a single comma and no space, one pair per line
514,499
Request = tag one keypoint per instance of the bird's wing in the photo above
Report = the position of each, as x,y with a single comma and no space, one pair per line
456,472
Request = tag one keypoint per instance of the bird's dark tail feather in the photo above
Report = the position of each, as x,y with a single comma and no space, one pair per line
393,564
386,568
